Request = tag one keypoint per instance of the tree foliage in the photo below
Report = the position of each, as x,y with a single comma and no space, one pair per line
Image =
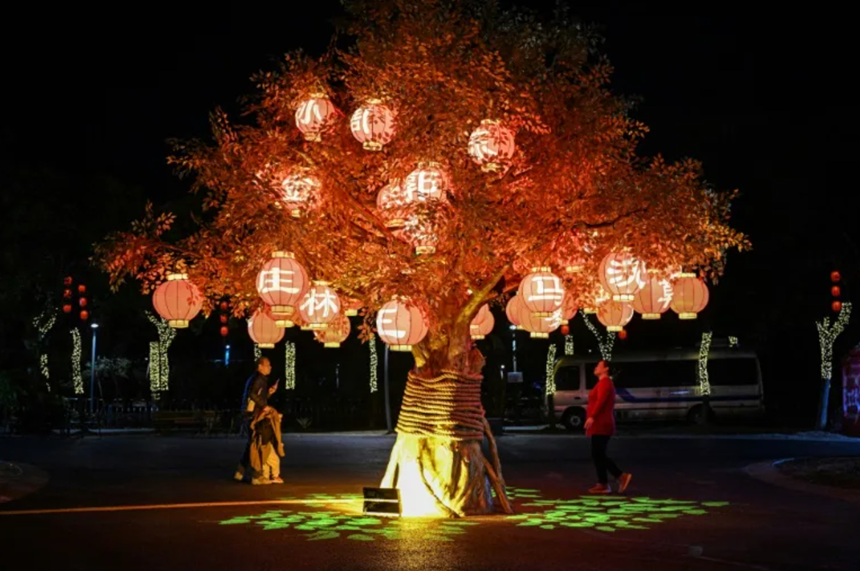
575,181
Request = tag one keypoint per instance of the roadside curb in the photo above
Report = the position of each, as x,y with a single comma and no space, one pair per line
19,480
767,472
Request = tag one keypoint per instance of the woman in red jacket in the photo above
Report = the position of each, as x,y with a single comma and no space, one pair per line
600,426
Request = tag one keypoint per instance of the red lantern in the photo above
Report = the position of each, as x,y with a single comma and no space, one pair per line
281,283
565,330
419,232
300,192
401,325
85,315
483,323
568,308
319,306
263,330
225,331
513,310
491,145
82,288
372,125
622,334
314,116
224,306
335,334
835,276
67,281
391,203
595,299
427,182
67,308
351,307
177,300
689,296
836,306
835,291
539,327
654,299
621,275
67,294
614,315
82,302
224,319
542,292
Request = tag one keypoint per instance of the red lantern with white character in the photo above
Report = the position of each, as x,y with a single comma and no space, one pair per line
372,125
300,192
314,116
281,283
336,333
319,306
542,292
426,183
401,325
622,275
491,145
654,299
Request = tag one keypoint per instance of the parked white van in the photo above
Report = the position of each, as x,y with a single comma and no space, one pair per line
662,386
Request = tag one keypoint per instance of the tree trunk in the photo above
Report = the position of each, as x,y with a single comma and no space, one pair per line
437,462
824,405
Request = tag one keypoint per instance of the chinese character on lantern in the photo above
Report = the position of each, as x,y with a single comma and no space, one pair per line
372,125
319,306
491,145
622,276
300,192
427,182
314,116
542,292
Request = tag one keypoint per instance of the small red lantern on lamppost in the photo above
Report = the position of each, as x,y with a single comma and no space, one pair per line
836,306
622,334
835,276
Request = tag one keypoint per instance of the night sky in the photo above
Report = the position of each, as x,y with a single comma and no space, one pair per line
761,97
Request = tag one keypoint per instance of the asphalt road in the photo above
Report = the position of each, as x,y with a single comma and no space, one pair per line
691,506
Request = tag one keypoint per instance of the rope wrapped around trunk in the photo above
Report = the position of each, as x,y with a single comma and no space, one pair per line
445,406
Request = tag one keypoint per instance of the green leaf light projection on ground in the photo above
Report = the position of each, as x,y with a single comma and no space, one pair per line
607,514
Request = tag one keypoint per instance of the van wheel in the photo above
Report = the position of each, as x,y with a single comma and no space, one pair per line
573,419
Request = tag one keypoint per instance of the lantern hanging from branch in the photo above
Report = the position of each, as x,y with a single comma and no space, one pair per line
621,275
654,299
539,327
568,308
491,145
263,330
542,292
351,307
428,182
177,300
690,296
300,192
421,233
614,315
595,299
335,334
281,283
513,311
401,325
483,323
319,306
314,116
372,125
391,203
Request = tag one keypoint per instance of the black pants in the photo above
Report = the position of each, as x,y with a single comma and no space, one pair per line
602,463
245,462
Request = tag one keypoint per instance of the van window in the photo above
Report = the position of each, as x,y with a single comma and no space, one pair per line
646,374
732,372
567,378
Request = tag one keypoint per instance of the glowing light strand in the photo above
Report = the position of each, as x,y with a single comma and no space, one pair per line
159,374
258,353
704,350
568,345
374,366
733,342
605,345
290,365
154,367
43,323
550,365
77,378
827,335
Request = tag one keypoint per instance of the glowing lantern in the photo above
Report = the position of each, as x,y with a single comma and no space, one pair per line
542,292
67,294
835,276
401,325
82,288
223,319
281,284
177,301
514,309
689,296
615,315
314,116
67,281
85,315
835,291
67,308
595,299
224,331
428,182
483,323
300,192
568,309
82,302
539,326
565,330
351,307
653,299
391,202
263,330
621,275
335,334
319,306
372,125
421,233
224,306
622,334
836,306
491,145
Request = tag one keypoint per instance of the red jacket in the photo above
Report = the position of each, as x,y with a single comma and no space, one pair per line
601,407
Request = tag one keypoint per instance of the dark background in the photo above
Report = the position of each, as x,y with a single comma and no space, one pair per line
760,96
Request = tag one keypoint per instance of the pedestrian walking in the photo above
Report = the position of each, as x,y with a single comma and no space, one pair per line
600,427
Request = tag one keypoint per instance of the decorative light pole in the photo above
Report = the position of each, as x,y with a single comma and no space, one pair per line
95,328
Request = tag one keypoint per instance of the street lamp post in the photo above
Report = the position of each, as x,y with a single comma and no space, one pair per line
514,348
95,328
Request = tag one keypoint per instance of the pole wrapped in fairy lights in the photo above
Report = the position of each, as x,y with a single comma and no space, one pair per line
827,335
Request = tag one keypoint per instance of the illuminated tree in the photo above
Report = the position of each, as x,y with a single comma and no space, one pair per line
442,67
